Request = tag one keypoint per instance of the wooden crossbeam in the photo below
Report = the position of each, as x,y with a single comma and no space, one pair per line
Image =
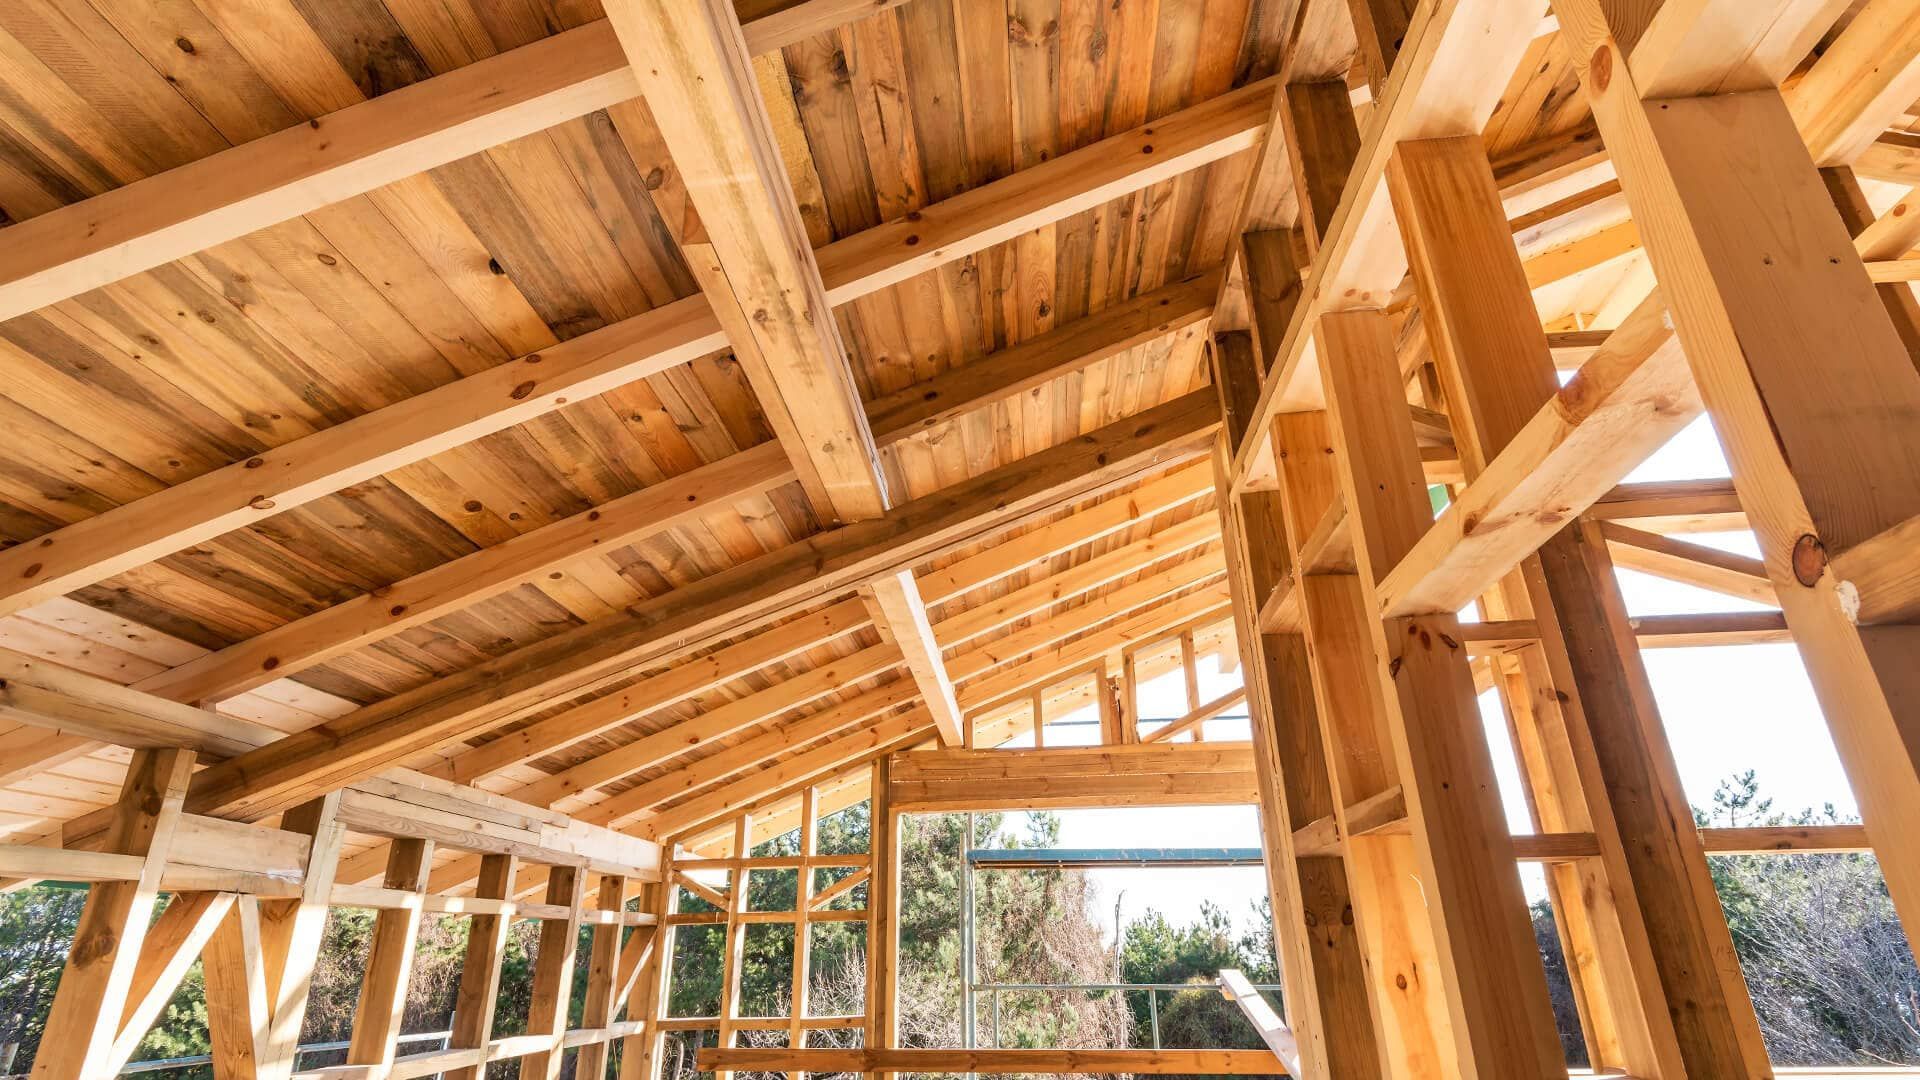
897,605
749,250
509,394
1176,774
349,152
1628,399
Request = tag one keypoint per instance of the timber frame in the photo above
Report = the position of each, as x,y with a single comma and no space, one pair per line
706,417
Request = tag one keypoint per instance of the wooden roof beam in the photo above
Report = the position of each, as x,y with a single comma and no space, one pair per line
749,250
1865,80
276,480
896,604
1450,71
176,213
292,770
676,501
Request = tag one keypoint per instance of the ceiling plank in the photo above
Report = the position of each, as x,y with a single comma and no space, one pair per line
342,154
472,578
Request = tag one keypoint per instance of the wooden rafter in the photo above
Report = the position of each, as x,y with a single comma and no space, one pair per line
501,397
749,250
294,768
897,605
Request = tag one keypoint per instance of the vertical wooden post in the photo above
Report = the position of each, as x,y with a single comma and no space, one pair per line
474,1002
291,932
733,938
802,911
553,971
1485,958
883,915
98,978
383,987
1810,387
603,975
1664,940
1319,955
235,971
640,1054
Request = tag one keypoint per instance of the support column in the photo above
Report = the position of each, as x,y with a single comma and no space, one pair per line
1485,959
383,986
98,978
473,1005
1662,938
1326,998
603,977
883,917
553,971
1809,385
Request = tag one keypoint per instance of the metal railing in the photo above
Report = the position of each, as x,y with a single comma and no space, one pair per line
164,1064
1153,991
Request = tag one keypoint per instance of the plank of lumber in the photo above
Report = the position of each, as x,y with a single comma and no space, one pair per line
1671,506
346,153
1237,988
895,599
1626,401
750,250
1689,563
501,397
372,738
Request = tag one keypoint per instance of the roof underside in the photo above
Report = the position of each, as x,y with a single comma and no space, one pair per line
132,388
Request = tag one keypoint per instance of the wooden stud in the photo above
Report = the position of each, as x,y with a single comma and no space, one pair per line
553,973
383,989
473,1006
95,985
603,977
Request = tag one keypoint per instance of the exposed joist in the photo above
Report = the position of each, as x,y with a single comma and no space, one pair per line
417,428
896,603
265,780
350,152
749,250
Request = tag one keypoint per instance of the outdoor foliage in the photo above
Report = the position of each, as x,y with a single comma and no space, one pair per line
1826,962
